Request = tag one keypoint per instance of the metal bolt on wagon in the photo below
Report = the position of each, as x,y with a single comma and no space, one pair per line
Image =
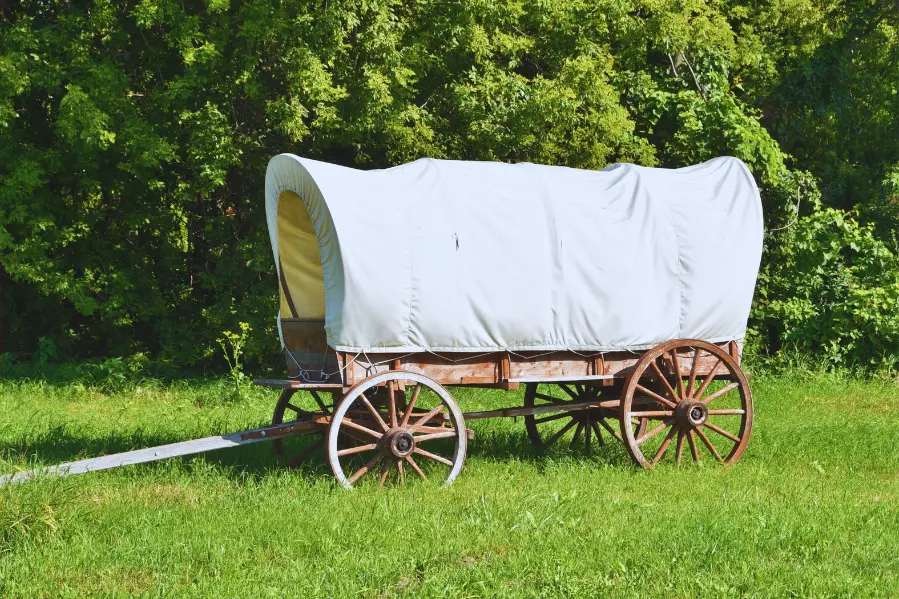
618,298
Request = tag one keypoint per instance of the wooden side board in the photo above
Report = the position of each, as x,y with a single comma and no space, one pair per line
508,370
306,348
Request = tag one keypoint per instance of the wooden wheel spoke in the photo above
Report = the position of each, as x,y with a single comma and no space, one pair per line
577,435
571,393
354,437
656,396
553,417
726,412
608,427
653,414
320,403
649,435
721,431
720,392
433,456
675,358
692,442
708,379
680,446
664,446
391,401
708,444
561,432
307,451
599,438
426,418
368,466
374,412
357,449
385,470
409,407
402,473
692,382
415,467
441,435
362,429
664,380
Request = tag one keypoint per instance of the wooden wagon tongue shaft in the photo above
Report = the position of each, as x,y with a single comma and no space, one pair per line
172,450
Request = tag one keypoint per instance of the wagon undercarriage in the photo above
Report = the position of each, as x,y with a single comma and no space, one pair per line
681,394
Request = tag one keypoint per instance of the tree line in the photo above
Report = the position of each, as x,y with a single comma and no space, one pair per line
134,137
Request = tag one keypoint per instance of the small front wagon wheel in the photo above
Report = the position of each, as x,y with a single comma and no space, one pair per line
293,451
694,395
397,422
546,427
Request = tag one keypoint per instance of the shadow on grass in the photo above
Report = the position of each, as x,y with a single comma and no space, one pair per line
515,445
59,445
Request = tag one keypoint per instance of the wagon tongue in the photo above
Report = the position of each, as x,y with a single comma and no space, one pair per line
162,452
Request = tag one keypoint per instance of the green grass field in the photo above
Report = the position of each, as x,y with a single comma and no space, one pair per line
812,510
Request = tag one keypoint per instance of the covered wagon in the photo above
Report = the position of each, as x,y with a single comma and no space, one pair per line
618,298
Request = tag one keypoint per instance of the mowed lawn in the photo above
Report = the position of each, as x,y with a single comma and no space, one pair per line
812,510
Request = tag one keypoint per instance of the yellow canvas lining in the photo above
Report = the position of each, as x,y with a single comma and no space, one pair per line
300,259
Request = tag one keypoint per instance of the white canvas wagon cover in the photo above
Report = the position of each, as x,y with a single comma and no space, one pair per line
454,256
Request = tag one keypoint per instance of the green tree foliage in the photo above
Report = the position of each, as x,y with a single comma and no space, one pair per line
827,83
134,135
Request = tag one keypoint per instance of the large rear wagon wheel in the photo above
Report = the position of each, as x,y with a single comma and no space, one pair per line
397,422
711,414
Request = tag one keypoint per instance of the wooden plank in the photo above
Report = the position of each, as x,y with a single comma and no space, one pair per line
477,380
735,350
505,369
593,377
347,371
307,343
556,365
478,369
288,384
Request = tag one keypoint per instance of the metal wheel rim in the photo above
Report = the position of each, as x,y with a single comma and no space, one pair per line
455,413
646,361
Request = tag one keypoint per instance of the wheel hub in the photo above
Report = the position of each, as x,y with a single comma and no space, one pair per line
399,443
691,413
